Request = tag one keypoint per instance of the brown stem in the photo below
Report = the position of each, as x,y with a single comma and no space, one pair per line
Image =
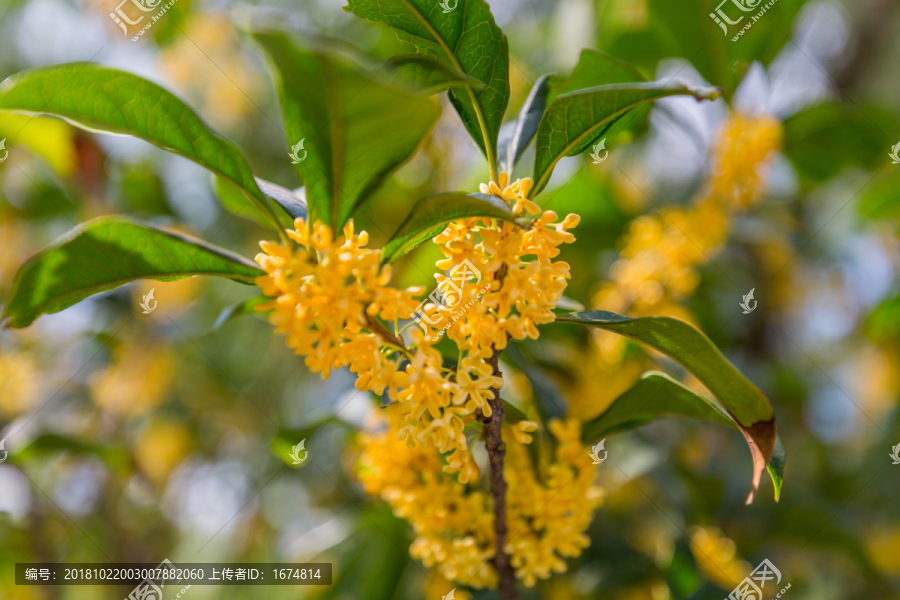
493,439
375,326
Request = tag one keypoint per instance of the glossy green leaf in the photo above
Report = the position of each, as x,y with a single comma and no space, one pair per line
776,467
108,252
467,38
742,400
96,97
526,125
653,396
233,311
431,214
293,203
658,395
430,74
575,119
594,69
354,130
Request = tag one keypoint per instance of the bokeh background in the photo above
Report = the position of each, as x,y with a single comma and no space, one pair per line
136,437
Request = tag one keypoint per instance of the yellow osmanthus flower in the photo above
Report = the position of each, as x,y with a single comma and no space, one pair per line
453,522
19,375
547,519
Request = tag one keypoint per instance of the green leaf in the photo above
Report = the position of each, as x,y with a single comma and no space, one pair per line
95,97
776,468
467,38
526,124
655,395
430,74
355,130
288,200
431,214
596,68
107,252
233,311
658,395
236,202
742,400
575,119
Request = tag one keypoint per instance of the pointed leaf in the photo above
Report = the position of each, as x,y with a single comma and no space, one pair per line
526,124
658,395
575,119
431,214
290,201
430,74
596,68
356,130
100,98
105,253
655,395
467,38
743,401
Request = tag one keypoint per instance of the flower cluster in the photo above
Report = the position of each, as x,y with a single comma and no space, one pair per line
330,294
331,298
453,523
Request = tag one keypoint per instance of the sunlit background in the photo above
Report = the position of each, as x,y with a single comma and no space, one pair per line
136,437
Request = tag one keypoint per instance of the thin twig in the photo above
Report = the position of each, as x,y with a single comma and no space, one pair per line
492,433
496,449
